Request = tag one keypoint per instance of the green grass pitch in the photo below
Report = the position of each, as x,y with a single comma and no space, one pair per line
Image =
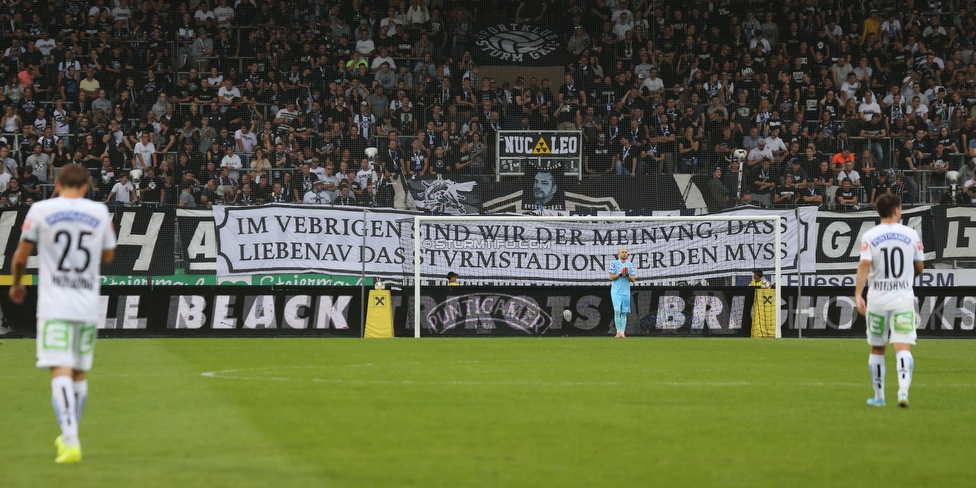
494,412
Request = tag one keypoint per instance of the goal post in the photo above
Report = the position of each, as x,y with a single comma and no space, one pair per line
437,234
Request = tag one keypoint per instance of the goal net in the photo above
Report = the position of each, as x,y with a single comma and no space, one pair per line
555,251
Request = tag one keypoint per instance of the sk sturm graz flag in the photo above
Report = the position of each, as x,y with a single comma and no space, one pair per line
525,43
446,195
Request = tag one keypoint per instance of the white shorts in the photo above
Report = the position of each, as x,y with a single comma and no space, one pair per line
895,326
65,343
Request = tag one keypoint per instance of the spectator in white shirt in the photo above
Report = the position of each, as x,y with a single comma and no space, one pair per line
775,144
287,114
759,153
246,139
122,191
45,43
622,11
224,14
317,195
145,153
417,15
203,13
316,169
392,23
849,172
384,57
622,26
122,12
228,92
232,161
653,83
832,30
868,106
365,45
850,86
918,109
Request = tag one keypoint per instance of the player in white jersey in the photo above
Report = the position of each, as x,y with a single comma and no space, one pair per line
891,258
73,237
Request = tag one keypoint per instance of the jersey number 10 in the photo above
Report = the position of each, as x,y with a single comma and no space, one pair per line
895,266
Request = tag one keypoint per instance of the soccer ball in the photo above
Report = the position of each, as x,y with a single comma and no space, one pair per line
567,315
740,155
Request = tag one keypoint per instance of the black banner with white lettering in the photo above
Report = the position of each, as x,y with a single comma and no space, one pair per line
639,195
954,232
575,311
940,312
527,43
839,235
206,311
198,237
145,240
191,311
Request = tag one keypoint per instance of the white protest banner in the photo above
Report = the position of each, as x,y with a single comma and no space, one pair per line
308,238
556,252
298,238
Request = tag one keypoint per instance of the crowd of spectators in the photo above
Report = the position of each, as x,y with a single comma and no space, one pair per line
256,101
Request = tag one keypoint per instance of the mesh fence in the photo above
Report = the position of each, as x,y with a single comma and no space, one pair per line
489,106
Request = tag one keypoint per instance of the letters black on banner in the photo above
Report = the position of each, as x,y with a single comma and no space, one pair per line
145,241
536,144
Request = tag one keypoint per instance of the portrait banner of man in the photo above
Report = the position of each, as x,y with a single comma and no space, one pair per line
544,190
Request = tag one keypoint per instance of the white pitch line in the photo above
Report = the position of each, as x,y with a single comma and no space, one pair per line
227,375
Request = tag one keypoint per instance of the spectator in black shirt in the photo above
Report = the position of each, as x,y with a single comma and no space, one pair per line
724,144
795,169
787,193
718,194
439,163
881,187
151,187
14,193
847,195
735,180
31,185
763,183
355,143
599,157
875,132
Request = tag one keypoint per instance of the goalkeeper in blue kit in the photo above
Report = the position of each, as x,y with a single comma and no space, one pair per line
621,276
